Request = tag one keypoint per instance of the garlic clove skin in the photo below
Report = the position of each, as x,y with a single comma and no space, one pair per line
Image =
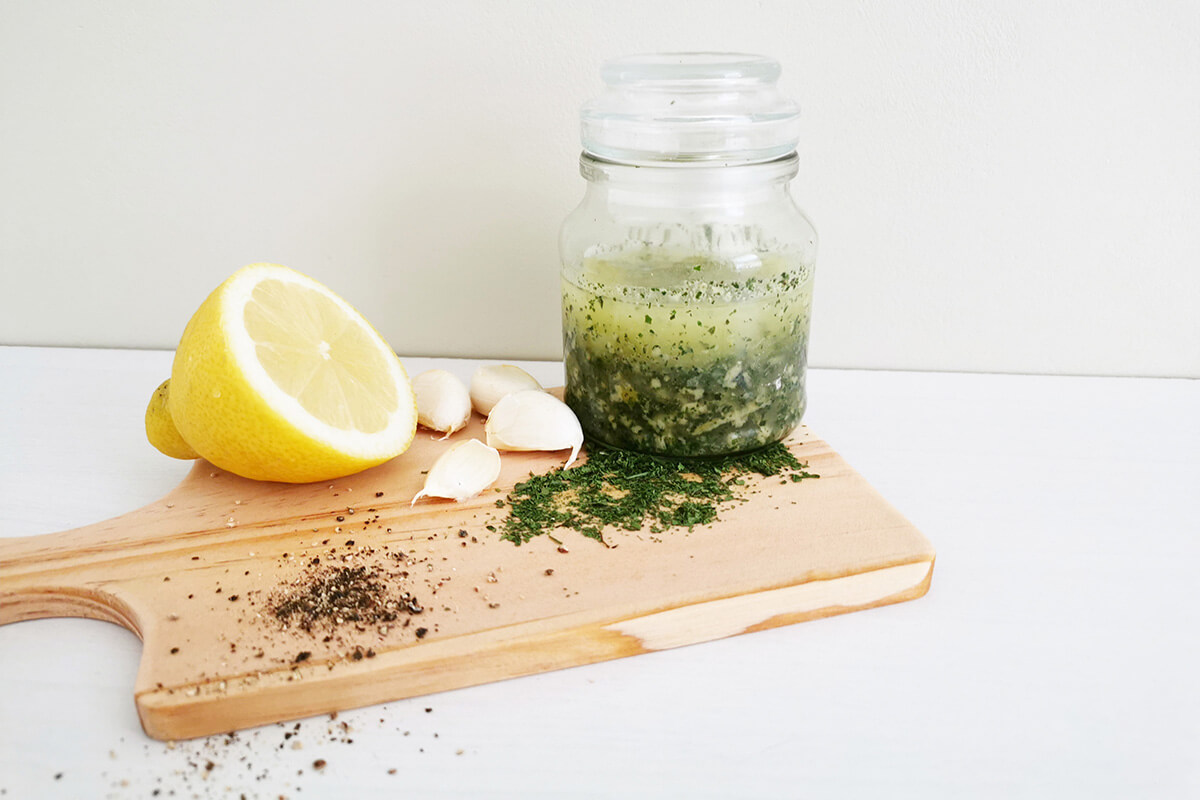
534,420
443,403
492,382
463,471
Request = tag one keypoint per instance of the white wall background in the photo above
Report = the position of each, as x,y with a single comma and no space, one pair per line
1000,186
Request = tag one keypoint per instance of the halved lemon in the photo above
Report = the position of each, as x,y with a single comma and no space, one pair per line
277,378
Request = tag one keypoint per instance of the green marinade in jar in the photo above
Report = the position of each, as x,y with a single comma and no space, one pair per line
683,355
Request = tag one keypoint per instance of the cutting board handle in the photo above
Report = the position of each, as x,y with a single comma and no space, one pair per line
81,572
52,575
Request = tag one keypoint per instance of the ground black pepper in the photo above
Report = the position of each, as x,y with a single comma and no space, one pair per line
340,594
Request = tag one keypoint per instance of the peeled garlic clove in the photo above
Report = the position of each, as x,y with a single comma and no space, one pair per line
464,470
493,381
443,403
534,420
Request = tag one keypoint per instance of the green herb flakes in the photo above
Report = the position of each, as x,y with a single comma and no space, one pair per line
624,490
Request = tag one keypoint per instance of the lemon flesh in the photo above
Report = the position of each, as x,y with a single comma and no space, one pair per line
277,378
160,428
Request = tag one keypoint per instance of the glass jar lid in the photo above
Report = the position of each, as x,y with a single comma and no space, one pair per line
688,107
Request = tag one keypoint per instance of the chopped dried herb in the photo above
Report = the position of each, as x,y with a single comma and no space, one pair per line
622,489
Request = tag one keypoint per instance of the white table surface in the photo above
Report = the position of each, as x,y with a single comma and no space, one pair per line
1056,654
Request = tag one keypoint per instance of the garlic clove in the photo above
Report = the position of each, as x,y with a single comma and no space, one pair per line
534,420
463,471
443,403
493,381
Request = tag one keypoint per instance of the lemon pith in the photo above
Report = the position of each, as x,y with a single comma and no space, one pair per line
277,378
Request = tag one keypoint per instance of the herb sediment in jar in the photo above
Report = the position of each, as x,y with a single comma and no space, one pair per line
685,355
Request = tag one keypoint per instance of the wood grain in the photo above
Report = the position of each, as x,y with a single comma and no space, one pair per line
193,575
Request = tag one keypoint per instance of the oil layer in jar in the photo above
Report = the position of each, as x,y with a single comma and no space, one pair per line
674,353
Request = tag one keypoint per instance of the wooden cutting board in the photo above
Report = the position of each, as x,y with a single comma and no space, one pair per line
196,574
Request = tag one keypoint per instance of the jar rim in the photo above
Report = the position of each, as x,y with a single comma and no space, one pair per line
785,166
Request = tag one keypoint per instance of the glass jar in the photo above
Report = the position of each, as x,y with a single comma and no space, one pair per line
687,269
